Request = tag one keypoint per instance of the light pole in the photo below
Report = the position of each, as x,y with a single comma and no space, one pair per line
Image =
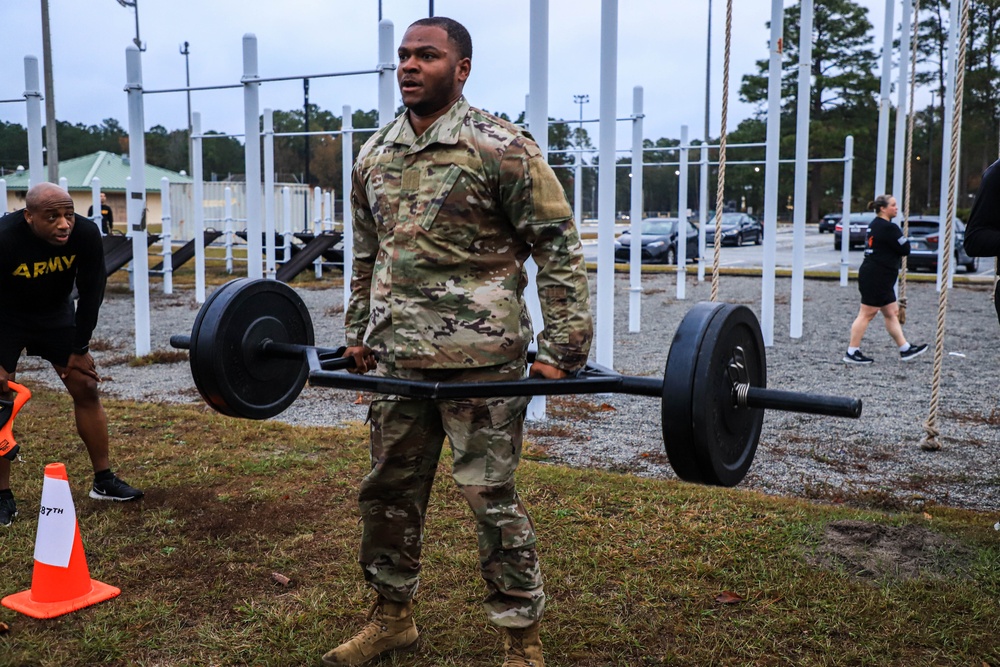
134,4
50,100
581,100
578,162
305,111
708,69
186,51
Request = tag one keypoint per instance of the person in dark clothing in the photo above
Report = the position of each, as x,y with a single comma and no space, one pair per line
107,217
45,249
885,247
982,233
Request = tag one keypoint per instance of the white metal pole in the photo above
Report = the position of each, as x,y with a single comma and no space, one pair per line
227,214
538,73
682,217
845,215
128,234
269,212
899,165
286,209
635,216
3,196
64,183
347,156
702,207
328,211
251,116
198,202
801,168
537,110
137,198
166,234
949,117
95,201
318,227
578,187
882,151
771,174
33,107
605,337
387,73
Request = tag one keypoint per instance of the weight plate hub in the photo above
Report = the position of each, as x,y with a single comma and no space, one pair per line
226,361
708,439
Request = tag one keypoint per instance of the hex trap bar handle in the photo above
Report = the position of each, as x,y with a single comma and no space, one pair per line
329,358
452,390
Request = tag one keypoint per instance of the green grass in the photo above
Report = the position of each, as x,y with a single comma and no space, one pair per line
634,567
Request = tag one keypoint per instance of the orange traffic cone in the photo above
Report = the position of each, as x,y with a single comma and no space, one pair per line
9,410
61,581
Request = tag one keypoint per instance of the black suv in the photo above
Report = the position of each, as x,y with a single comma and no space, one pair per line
828,223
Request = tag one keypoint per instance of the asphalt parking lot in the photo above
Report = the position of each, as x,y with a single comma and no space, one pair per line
819,252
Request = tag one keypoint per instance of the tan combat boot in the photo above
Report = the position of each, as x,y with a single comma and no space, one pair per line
390,628
524,648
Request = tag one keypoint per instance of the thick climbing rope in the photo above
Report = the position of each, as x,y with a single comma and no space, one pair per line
930,442
720,191
909,158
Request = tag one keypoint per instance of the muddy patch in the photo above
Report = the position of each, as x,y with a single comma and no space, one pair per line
871,551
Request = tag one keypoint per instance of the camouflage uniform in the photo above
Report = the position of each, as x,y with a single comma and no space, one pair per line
443,224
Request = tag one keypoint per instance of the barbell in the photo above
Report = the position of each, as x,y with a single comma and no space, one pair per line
252,351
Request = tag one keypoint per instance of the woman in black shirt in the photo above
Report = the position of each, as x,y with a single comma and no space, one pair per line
885,247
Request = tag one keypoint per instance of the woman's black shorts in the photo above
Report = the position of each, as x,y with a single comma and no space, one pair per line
876,285
53,345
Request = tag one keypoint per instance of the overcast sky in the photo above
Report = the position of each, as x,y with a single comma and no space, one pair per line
661,43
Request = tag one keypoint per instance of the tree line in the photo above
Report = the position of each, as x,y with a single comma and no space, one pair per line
843,101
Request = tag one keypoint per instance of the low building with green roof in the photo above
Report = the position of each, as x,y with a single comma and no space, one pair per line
112,170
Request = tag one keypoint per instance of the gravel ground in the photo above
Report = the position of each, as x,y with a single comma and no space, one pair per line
874,459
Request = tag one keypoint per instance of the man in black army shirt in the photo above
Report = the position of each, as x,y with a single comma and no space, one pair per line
107,217
44,250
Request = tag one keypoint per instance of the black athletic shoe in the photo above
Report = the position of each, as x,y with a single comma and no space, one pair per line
913,352
114,489
857,358
8,510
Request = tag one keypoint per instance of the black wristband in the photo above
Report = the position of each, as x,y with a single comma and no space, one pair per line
82,350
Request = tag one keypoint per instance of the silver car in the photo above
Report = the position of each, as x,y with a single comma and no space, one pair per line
924,237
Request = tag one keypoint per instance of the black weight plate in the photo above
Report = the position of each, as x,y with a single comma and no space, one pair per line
200,357
726,436
229,370
677,418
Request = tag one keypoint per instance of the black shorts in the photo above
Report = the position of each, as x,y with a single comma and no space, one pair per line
876,285
53,345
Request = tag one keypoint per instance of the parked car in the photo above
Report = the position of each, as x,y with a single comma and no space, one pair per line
924,237
859,230
828,223
737,228
659,241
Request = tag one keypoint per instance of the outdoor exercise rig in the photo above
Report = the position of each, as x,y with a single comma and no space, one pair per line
251,353
258,199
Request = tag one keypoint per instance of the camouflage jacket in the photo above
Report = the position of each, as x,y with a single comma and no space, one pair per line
443,225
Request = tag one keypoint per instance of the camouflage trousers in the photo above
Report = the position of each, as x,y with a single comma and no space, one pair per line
407,437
